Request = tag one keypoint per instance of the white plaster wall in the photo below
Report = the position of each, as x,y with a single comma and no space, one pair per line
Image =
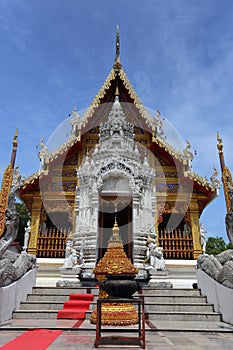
217,294
12,295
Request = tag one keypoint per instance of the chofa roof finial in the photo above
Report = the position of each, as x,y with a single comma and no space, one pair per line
14,149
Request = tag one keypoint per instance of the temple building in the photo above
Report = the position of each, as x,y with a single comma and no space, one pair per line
116,166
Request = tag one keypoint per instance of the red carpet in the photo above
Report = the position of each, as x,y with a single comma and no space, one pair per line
35,339
76,307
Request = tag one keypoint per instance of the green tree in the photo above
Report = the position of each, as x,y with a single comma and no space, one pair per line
215,245
229,246
24,216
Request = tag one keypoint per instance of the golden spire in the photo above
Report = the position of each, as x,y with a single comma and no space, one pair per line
115,231
6,185
226,174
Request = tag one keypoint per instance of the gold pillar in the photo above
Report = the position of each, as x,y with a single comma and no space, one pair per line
195,227
35,224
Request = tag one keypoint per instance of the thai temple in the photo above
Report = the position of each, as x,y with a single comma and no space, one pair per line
116,167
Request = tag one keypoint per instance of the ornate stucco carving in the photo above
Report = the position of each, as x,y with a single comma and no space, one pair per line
115,168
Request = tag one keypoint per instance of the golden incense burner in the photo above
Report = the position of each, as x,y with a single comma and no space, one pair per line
115,264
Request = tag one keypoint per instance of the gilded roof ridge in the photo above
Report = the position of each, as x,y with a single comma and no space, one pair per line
135,97
62,148
100,94
30,179
169,148
200,179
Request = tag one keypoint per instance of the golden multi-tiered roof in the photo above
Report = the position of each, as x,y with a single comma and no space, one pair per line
176,183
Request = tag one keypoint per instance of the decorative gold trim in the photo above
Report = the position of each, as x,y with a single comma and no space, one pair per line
5,191
135,97
101,93
227,182
30,179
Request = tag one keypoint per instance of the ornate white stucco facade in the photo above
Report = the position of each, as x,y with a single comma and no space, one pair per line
115,175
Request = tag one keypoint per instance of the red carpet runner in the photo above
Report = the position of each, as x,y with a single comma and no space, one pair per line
35,339
76,307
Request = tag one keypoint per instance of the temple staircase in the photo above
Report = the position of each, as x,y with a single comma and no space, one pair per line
166,309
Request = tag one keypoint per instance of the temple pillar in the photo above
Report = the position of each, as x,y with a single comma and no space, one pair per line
35,224
195,228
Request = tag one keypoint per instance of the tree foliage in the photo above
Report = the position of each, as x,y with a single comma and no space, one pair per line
216,245
24,216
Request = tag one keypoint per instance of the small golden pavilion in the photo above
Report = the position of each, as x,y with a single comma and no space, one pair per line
116,164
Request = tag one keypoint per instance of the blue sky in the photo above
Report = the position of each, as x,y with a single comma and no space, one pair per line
178,55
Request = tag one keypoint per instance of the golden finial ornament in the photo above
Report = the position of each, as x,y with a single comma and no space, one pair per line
15,142
219,145
115,231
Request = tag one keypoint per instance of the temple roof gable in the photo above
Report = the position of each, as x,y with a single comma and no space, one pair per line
117,83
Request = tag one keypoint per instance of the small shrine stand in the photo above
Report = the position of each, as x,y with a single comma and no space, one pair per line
120,340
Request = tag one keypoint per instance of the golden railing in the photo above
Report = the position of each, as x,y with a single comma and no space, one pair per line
52,243
176,244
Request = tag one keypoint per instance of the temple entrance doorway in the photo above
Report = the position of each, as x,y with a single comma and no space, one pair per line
113,208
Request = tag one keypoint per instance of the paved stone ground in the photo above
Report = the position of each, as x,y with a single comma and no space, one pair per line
195,326
84,340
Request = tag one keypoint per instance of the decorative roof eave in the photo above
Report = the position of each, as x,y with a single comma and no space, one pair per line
30,180
87,115
201,181
95,104
117,70
190,174
62,148
161,142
